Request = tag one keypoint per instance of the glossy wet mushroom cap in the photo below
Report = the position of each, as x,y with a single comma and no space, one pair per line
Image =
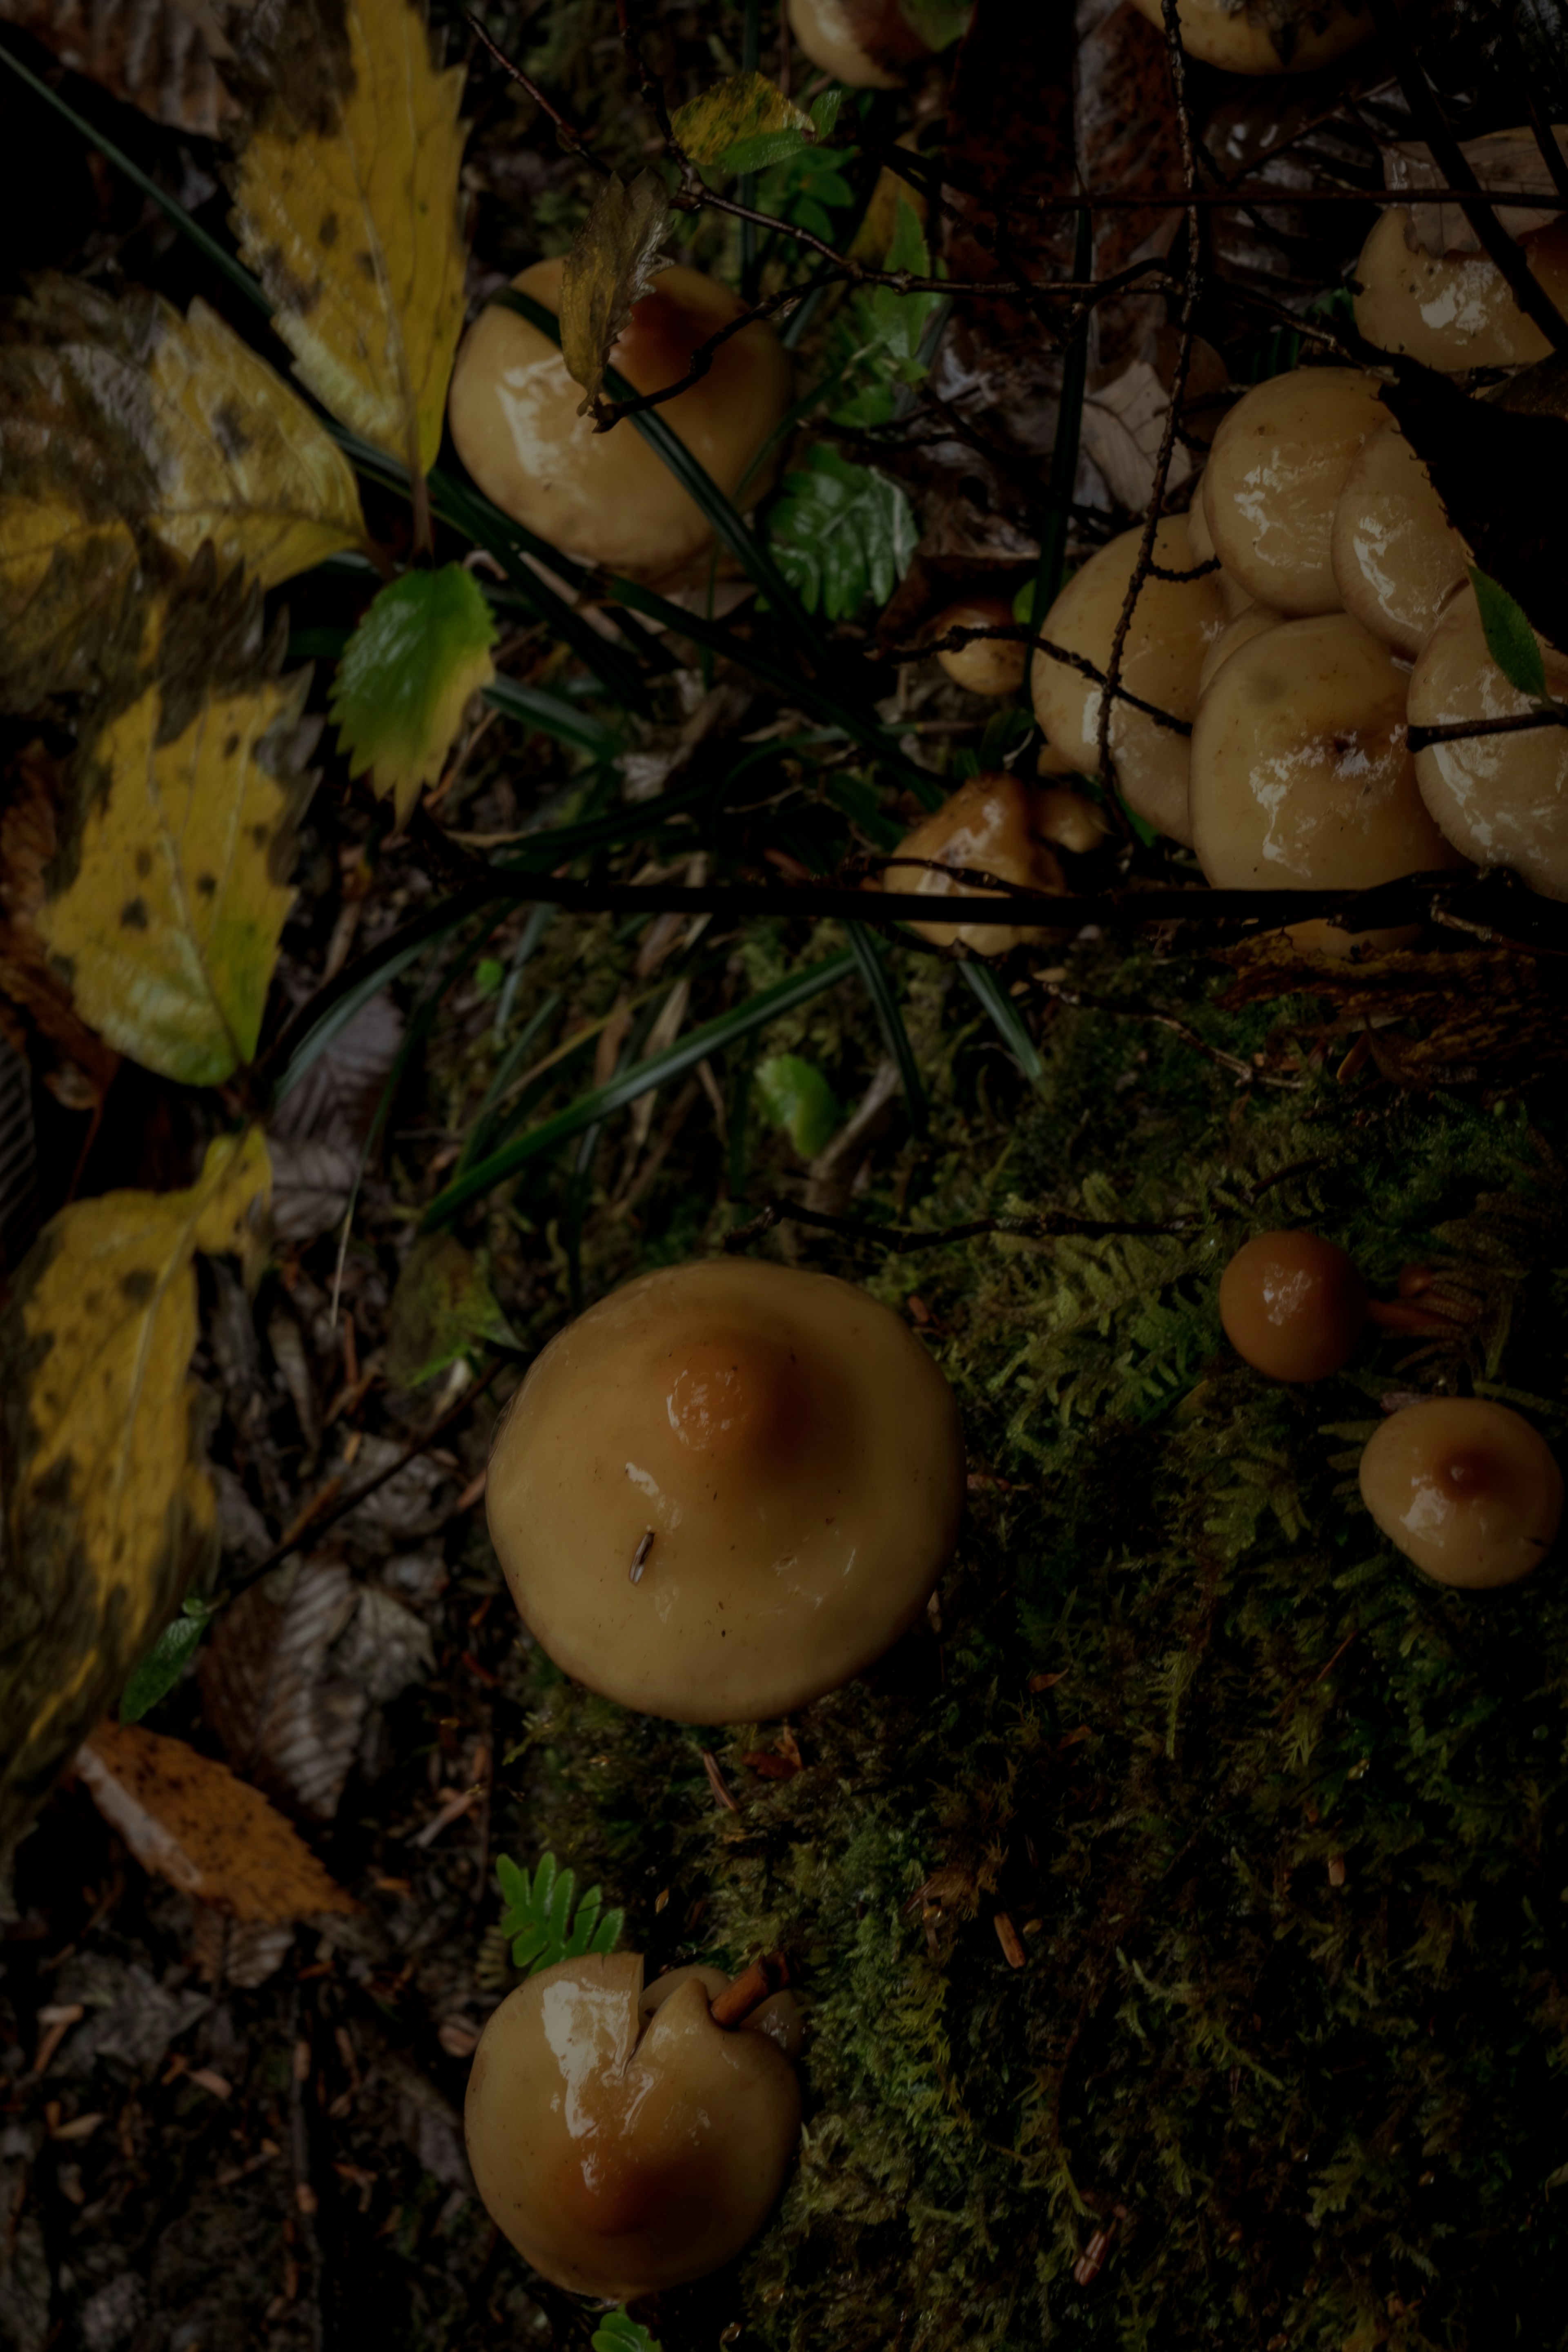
1173,623
1396,557
1453,310
1071,820
1245,37
1465,1488
620,2138
862,43
725,1489
1292,1306
1500,800
992,666
1252,621
1279,461
608,496
1232,594
990,824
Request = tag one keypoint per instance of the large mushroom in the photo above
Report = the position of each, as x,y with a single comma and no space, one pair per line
1501,800
1395,555
1279,461
624,2138
1465,1488
725,1489
1453,310
992,825
865,44
608,496
1265,37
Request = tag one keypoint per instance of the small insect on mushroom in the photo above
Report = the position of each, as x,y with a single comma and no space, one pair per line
796,1455
1465,1488
628,2137
988,825
1292,1306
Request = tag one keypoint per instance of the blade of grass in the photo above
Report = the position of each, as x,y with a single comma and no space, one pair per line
1009,1024
698,1045
885,1003
481,1133
547,715
319,1034
539,921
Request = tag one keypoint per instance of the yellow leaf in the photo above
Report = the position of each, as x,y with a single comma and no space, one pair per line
406,677
745,106
63,572
109,1511
613,263
346,207
184,807
211,1835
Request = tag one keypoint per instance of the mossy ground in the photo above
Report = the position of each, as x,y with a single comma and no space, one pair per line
1277,1823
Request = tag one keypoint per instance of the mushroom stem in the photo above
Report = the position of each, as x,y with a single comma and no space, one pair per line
1397,1315
759,1983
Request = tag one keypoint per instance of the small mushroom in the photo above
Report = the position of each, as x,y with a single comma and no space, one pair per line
1500,800
1278,463
1465,1488
608,496
621,2137
861,43
795,1453
1453,310
1173,623
989,825
1395,555
992,666
1292,1306
1251,622
1071,820
1262,36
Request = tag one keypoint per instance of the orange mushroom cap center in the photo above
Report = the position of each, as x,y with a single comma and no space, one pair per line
736,1396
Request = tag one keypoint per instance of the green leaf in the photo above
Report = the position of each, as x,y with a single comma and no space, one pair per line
1511,640
406,678
1006,1017
489,975
899,319
543,1921
939,23
825,110
157,1670
885,1003
796,1096
744,107
768,148
612,265
442,1306
841,533
619,2332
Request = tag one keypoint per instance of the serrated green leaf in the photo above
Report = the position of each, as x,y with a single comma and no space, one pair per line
745,107
899,319
1511,640
613,263
543,1924
769,147
158,1669
442,1306
841,533
406,678
796,1096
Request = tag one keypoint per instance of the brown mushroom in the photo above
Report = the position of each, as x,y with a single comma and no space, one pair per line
608,496
1252,621
621,2137
1465,1488
1292,1306
1071,820
861,43
1453,310
725,1489
1233,595
990,824
991,666
1278,463
1265,37
1173,623
1500,800
1395,555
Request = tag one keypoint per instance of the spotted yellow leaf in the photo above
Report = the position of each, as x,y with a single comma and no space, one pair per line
346,207
109,1509
745,107
165,909
406,677
612,265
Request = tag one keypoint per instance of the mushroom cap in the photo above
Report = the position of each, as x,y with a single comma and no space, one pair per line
990,824
1174,624
1501,800
861,43
1252,621
623,2143
791,1449
1292,1306
1278,466
1465,1489
986,664
1233,595
1069,819
1301,776
608,496
1396,554
1453,310
1239,40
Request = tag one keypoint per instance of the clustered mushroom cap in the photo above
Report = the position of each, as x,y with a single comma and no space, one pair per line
725,1489
990,824
1453,310
1278,466
992,666
1069,819
1396,554
608,496
1465,1488
1173,623
1249,38
861,43
1232,594
620,2138
1292,1306
1500,800
1252,621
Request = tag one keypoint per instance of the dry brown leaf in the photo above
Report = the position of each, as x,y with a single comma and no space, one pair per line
159,53
613,263
194,1823
27,844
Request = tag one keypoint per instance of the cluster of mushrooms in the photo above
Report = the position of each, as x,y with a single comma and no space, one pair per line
723,1492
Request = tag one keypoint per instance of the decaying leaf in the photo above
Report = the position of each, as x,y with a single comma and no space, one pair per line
168,900
158,54
1503,159
442,1306
109,1511
745,106
345,193
28,843
612,265
406,677
192,1822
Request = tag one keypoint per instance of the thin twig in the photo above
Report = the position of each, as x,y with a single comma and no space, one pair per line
570,136
1047,1225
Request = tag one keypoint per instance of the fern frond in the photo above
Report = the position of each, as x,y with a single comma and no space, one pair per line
619,2332
545,1920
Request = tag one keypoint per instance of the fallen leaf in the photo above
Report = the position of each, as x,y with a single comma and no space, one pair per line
28,843
406,677
442,1306
346,207
109,1511
160,54
1503,159
744,106
167,911
613,263
192,1822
